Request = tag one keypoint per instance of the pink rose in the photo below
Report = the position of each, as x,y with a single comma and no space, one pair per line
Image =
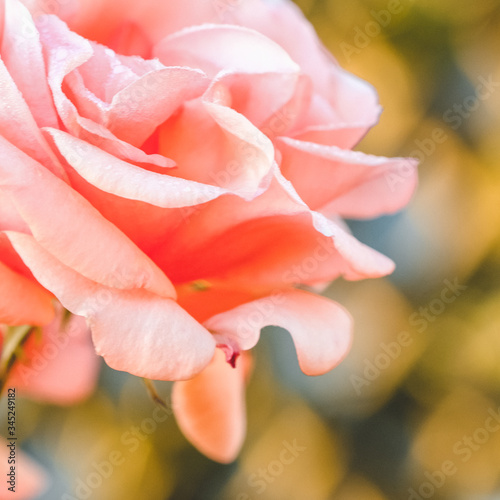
175,181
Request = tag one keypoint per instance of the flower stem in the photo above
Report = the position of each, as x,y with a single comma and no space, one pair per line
12,350
153,393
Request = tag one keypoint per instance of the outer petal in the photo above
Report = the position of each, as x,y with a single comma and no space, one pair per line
135,331
23,302
151,337
210,409
320,328
351,184
307,247
76,234
342,99
62,367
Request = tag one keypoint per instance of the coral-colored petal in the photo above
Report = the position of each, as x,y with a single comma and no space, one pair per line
203,303
210,409
307,247
23,302
236,155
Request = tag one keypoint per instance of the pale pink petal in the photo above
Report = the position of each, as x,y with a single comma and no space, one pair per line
123,179
320,328
21,48
64,51
19,127
138,109
9,216
210,409
273,102
343,118
151,337
75,232
100,136
213,48
23,302
31,479
61,367
350,184
2,18
107,73
134,330
340,135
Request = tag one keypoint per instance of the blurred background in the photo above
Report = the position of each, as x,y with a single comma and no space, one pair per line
414,411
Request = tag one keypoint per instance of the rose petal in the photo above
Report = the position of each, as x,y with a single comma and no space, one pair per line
204,300
320,328
134,330
77,235
21,48
115,176
210,409
130,96
137,110
347,100
307,247
19,127
273,102
155,19
213,48
236,155
351,184
23,302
